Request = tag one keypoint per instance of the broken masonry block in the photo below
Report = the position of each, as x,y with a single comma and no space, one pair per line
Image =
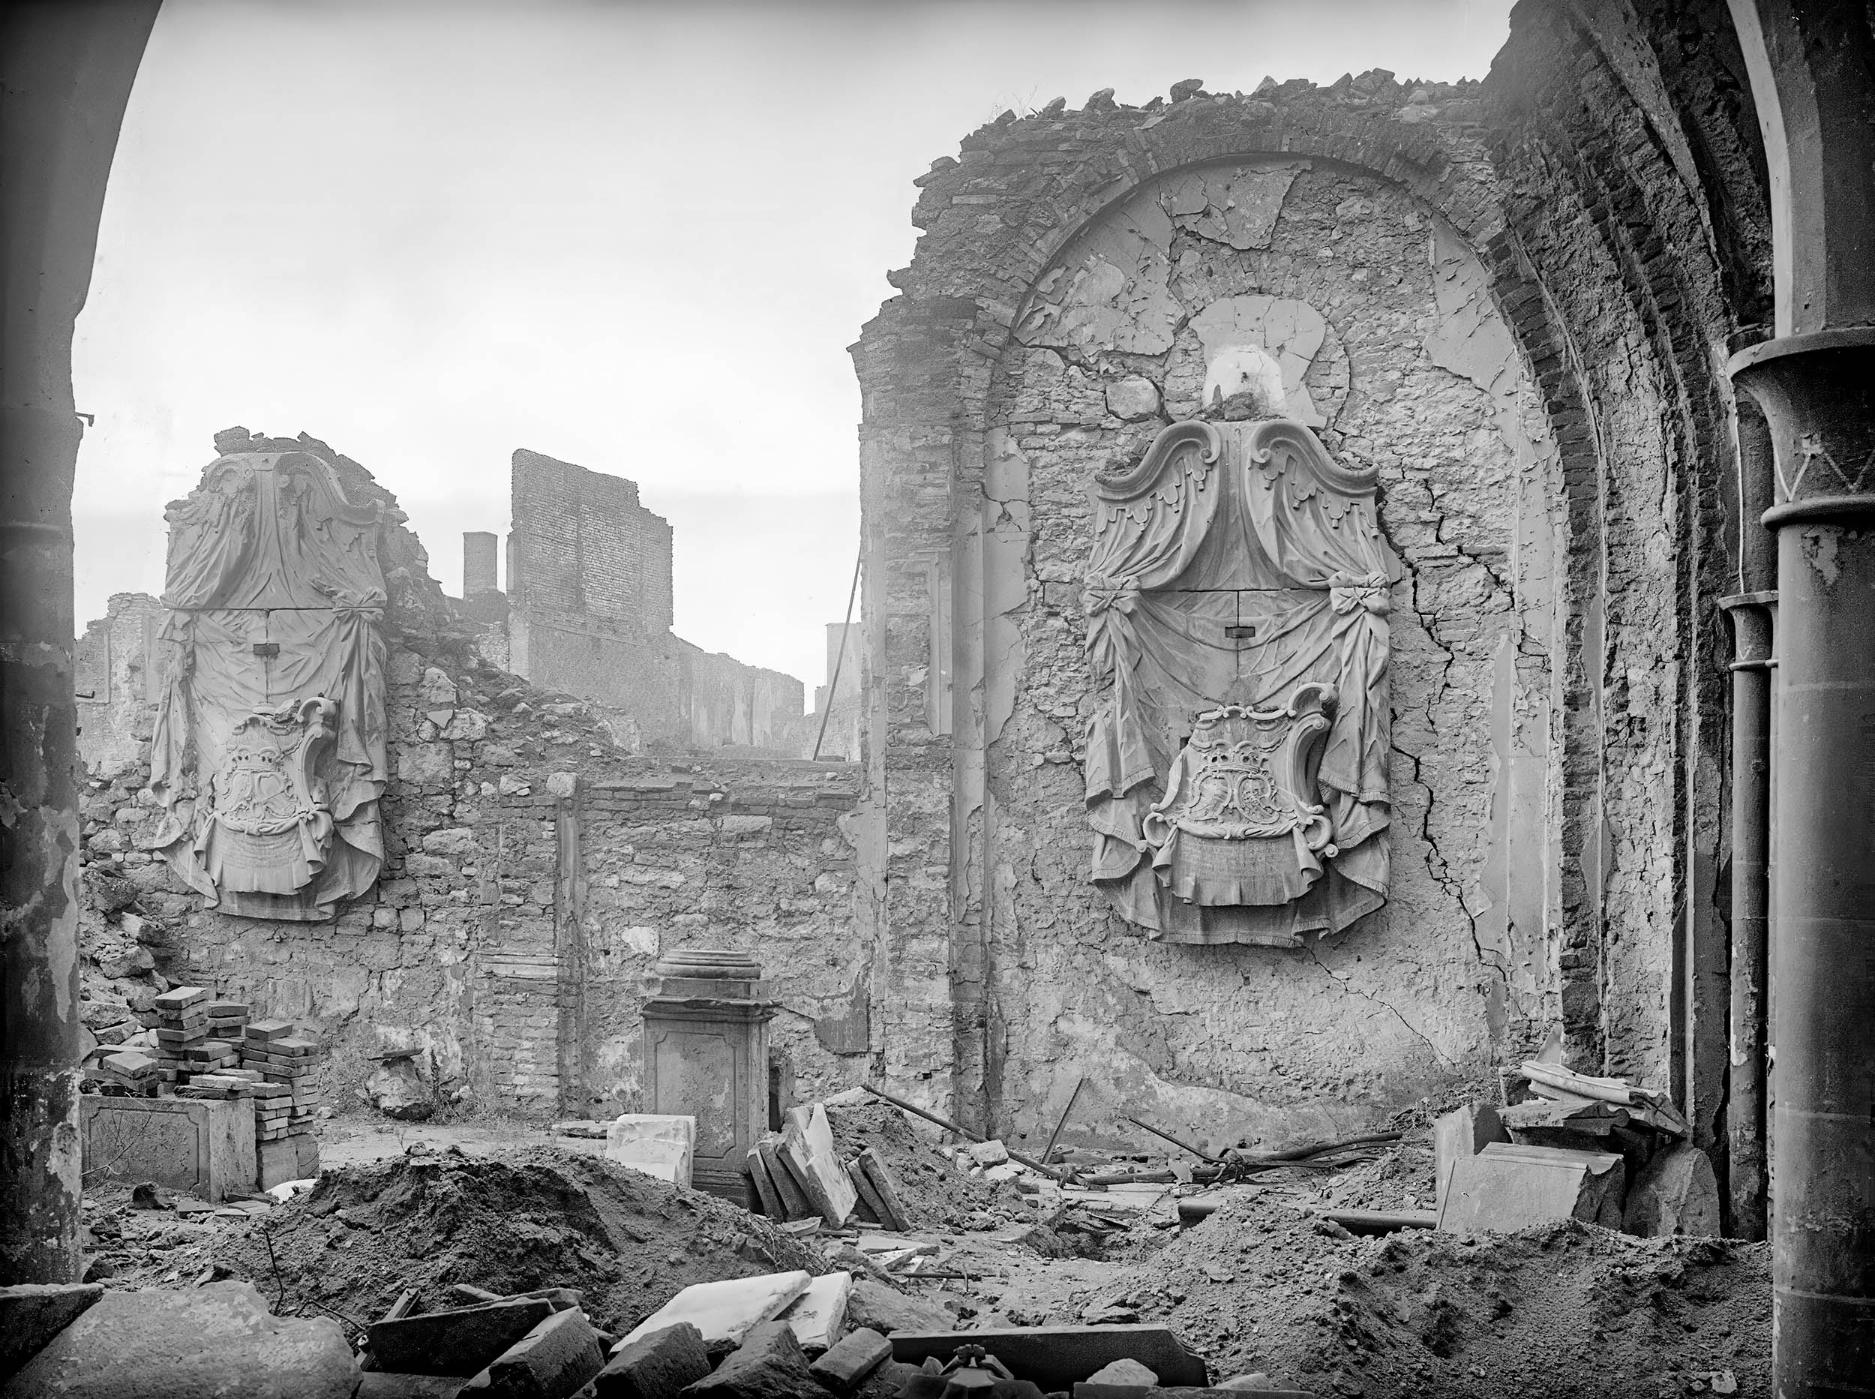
461,1341
31,1314
1463,1132
1676,1193
1506,1187
233,1346
551,1361
891,1198
794,1201
724,1312
764,1185
767,1365
853,1357
818,1316
658,1144
655,1366
871,1206
989,1153
877,1307
807,1150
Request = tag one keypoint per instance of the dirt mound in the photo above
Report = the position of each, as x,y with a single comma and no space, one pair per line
938,1195
1570,1311
533,1218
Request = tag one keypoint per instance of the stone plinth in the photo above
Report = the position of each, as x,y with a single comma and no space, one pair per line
706,1056
202,1145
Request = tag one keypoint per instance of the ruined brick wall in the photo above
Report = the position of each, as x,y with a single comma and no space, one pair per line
117,675
581,542
732,705
500,944
1626,143
590,613
1075,271
749,855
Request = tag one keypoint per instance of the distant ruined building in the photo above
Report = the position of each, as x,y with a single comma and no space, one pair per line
588,610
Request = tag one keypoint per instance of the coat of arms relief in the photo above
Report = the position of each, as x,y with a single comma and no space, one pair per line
1237,774
269,755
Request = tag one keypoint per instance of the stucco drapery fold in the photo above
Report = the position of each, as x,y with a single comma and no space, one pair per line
1234,564
275,596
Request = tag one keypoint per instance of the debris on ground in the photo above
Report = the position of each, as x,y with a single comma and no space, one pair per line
1310,1268
533,1218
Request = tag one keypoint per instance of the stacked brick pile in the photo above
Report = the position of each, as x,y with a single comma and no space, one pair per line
285,1061
130,1070
182,1033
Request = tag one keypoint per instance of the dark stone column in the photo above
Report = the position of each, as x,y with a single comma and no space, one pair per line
1818,395
66,69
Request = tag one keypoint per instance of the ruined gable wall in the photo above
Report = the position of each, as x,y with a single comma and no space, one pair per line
590,613
117,675
975,450
1414,374
527,855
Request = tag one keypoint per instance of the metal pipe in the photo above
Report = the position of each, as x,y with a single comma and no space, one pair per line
1747,1160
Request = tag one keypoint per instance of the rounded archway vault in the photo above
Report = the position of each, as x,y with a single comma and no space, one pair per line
1346,265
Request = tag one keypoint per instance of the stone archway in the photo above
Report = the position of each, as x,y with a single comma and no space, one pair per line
68,70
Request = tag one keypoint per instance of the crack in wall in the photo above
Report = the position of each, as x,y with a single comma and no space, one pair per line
1437,865
1347,984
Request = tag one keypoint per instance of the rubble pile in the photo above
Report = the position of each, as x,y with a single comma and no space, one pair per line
203,1048
540,1217
937,1190
1568,1310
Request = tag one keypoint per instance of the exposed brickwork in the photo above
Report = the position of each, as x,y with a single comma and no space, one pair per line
532,869
589,613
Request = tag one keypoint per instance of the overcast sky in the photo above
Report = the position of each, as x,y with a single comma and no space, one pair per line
638,237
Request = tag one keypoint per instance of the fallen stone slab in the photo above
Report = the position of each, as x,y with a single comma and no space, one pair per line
853,1357
807,1150
1460,1133
725,1312
1058,1357
31,1314
211,1340
764,1184
460,1341
891,1199
818,1316
875,1306
767,1365
550,1362
656,1366
794,1201
871,1206
1675,1193
659,1144
1506,1187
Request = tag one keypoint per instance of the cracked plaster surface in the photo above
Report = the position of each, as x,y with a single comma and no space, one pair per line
1416,373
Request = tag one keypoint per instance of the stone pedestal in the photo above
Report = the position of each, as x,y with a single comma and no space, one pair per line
1818,395
706,1056
204,1146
